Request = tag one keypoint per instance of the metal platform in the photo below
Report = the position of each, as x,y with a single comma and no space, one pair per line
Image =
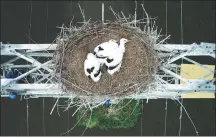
43,84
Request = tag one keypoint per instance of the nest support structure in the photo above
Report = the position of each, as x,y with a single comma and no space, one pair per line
139,65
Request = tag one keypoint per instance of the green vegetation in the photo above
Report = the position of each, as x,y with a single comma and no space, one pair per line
122,115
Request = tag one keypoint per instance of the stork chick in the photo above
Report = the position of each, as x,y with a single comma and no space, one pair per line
105,49
92,67
114,60
111,44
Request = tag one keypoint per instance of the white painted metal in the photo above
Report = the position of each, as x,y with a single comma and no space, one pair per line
174,74
164,89
23,75
38,47
193,85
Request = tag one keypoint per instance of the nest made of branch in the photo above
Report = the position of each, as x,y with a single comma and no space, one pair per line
138,66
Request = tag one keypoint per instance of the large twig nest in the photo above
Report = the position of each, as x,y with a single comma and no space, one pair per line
139,63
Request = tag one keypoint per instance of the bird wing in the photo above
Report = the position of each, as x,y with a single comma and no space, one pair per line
113,45
85,67
108,47
117,57
96,49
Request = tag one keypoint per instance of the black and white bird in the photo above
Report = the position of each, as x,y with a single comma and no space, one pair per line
104,50
92,67
114,60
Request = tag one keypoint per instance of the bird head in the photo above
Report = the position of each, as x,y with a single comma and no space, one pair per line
123,40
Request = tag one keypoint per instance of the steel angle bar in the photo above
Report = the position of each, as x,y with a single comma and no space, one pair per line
29,46
188,88
172,47
161,80
25,74
43,78
34,62
205,76
203,46
18,66
154,95
38,54
40,87
174,74
198,64
10,61
30,59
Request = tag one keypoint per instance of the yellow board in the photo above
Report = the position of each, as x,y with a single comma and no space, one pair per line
190,71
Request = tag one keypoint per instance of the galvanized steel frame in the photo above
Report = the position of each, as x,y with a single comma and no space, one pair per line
164,89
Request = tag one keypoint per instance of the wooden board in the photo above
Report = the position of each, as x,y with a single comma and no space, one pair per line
191,71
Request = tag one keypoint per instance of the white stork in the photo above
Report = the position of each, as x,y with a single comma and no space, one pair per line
114,60
92,67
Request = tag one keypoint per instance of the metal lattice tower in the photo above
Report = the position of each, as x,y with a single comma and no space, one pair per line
43,84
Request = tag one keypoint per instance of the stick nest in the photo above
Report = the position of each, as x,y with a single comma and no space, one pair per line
139,64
